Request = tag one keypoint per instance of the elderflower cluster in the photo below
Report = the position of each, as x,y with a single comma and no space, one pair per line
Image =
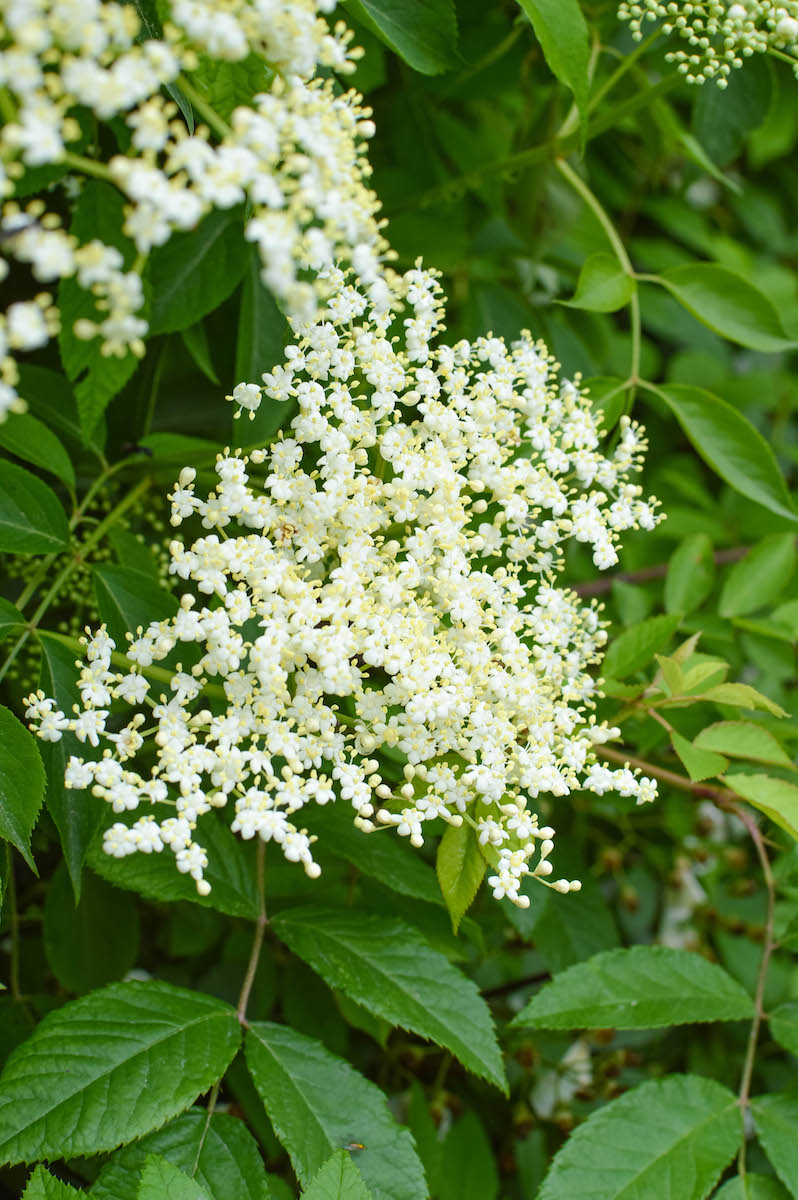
720,35
373,617
293,153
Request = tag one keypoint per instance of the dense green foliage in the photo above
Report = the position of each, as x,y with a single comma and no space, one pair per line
390,1030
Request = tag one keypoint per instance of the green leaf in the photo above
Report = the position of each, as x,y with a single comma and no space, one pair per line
194,272
753,1187
635,647
668,1139
127,599
744,739
162,1180
744,696
99,213
77,814
775,798
93,943
776,1119
562,32
730,444
388,860
566,933
44,1186
49,397
338,1179
230,871
262,335
137,1054
460,866
32,520
603,286
422,32
229,1164
758,578
784,1025
226,85
729,304
691,574
21,783
386,966
318,1103
31,440
467,1164
700,763
644,987
195,340
11,619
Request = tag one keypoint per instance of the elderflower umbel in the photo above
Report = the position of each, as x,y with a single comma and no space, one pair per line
293,154
374,619
720,35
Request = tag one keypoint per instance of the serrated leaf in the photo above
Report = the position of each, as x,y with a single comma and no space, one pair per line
93,943
389,859
228,1161
11,619
728,303
562,32
32,520
603,286
691,574
230,871
775,798
318,1103
467,1164
668,1138
644,987
752,1187
21,783
460,867
744,739
784,1025
97,378
672,674
731,445
76,813
386,966
743,696
29,439
338,1179
194,272
127,599
700,763
137,1054
776,1119
422,32
758,578
566,933
44,1186
162,1180
708,672
635,647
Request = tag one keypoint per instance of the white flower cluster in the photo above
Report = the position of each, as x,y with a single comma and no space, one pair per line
720,35
374,618
294,153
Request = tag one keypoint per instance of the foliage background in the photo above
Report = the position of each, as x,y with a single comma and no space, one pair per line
472,121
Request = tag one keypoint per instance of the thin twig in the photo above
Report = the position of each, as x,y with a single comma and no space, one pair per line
257,938
723,797
597,587
759,996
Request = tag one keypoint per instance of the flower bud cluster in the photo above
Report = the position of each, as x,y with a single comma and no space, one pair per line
720,35
372,617
294,153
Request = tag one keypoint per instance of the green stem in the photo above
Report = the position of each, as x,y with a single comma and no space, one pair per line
88,166
70,566
208,114
600,213
759,996
214,1096
257,938
627,62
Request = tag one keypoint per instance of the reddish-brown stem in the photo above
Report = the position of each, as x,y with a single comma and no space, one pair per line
257,938
597,587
